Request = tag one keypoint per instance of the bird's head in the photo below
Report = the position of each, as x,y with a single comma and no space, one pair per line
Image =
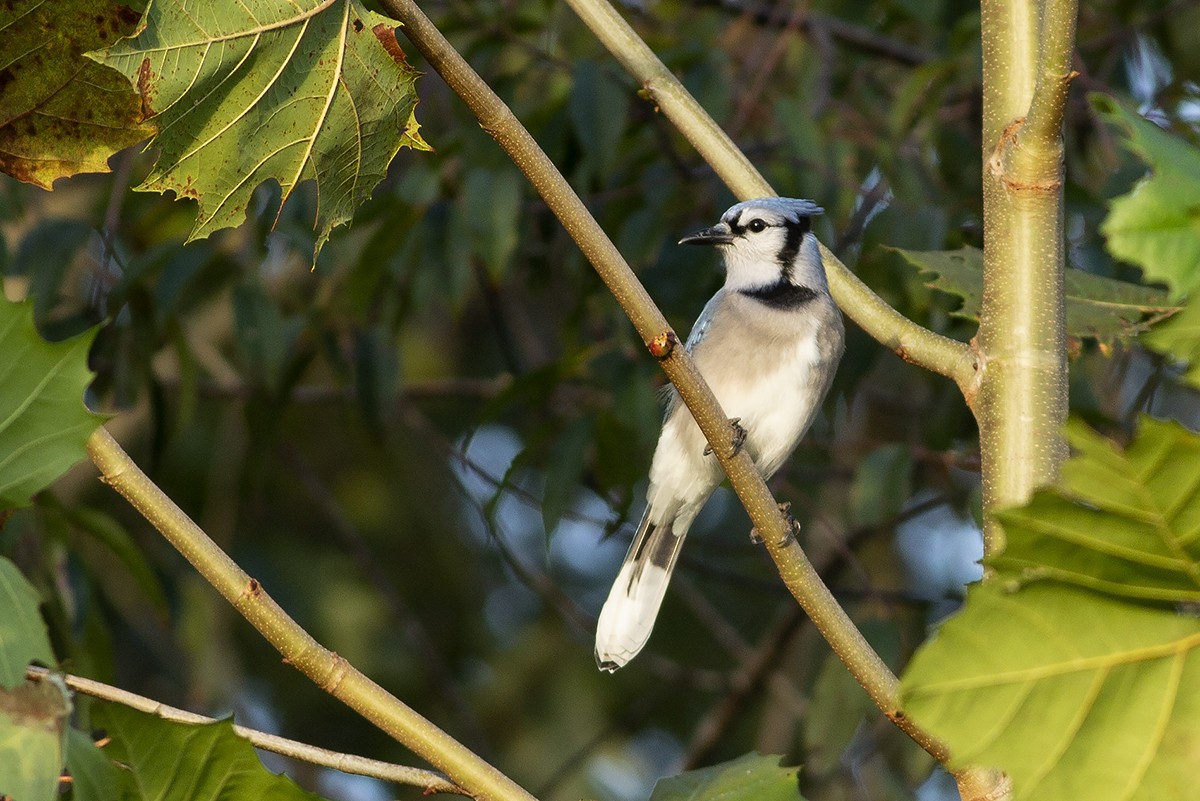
766,241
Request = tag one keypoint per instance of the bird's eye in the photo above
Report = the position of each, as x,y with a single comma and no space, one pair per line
756,225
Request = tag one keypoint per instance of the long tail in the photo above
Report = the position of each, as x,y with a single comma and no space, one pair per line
629,613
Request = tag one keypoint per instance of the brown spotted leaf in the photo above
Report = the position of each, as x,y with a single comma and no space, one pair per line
61,113
282,90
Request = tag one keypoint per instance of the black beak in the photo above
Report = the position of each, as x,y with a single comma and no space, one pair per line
719,234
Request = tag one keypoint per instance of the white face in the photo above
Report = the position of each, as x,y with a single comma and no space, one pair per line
769,243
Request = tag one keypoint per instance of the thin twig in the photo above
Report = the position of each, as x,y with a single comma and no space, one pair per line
323,757
330,672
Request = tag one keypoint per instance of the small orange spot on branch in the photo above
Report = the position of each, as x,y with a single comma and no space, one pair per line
662,345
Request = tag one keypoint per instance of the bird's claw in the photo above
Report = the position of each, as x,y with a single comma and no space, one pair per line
739,438
793,528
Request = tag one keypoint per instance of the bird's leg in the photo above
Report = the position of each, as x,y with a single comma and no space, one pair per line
793,528
739,438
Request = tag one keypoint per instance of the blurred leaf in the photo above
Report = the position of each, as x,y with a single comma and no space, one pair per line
837,709
599,109
376,375
32,724
43,422
1102,308
1179,338
1072,693
45,255
881,485
752,777
1157,225
107,531
284,91
1122,522
61,114
23,636
261,336
492,208
178,762
93,775
568,455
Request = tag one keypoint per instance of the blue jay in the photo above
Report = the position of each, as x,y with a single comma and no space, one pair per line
768,344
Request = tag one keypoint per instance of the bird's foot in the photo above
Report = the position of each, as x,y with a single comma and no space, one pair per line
739,438
793,528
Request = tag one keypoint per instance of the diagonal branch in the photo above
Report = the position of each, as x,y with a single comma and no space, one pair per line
326,669
775,527
323,757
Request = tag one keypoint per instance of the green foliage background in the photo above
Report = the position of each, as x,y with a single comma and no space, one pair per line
318,422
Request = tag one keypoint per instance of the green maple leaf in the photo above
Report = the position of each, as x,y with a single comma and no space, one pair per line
1156,225
1101,308
61,114
168,761
1072,693
1123,522
1075,669
277,90
44,425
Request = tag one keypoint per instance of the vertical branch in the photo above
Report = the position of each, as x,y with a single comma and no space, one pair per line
1020,398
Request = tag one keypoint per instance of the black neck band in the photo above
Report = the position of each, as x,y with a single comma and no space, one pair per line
781,295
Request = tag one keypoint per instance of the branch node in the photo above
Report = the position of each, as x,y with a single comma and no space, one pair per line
253,590
337,674
663,345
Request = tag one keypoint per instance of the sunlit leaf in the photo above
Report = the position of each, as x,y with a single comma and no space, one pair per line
274,90
23,637
61,114
44,425
752,777
180,762
32,725
1157,225
1101,308
1074,694
1123,522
